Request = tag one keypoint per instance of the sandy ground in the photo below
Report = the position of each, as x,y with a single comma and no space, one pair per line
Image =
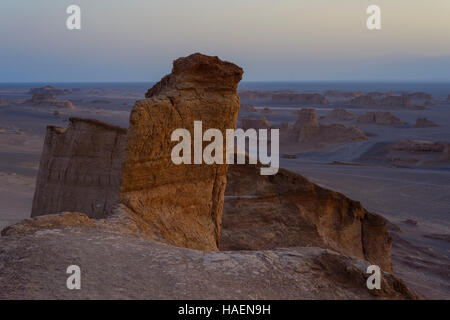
421,250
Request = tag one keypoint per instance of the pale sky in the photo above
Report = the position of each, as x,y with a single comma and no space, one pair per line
273,40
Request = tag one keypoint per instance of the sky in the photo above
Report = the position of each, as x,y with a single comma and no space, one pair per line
272,40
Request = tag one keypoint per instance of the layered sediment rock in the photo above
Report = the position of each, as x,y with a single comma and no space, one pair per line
80,168
287,210
182,202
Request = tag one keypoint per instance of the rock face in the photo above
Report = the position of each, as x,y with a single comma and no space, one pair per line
424,123
182,202
121,265
381,118
287,210
308,131
49,99
80,168
283,97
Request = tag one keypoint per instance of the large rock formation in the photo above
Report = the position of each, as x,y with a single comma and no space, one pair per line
182,202
287,210
309,132
80,168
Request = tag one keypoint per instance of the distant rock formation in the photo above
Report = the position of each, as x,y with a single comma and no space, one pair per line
342,115
409,153
49,99
49,90
381,118
253,123
420,96
248,108
283,97
384,100
424,123
308,131
342,94
183,202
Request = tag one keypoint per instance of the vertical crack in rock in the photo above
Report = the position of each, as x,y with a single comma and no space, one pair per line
184,202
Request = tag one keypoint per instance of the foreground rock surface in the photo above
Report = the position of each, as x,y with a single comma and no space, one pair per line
117,264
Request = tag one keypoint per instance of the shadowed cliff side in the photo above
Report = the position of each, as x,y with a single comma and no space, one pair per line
287,210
